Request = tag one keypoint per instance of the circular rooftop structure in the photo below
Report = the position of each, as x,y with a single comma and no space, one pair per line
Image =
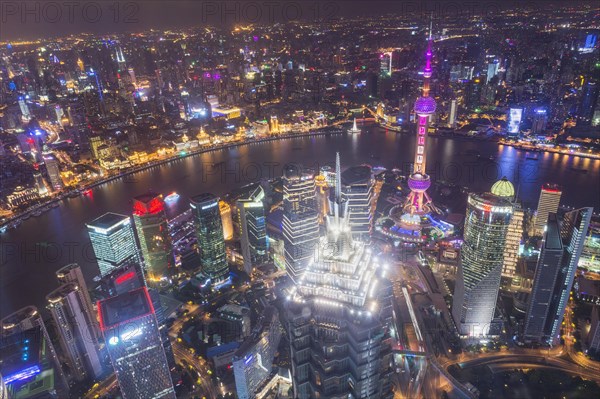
425,105
503,188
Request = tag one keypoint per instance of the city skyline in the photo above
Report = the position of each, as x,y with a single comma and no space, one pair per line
367,200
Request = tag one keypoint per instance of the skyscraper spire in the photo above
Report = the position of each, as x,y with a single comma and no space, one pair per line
338,179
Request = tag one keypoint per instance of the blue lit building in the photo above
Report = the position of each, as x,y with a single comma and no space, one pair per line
29,364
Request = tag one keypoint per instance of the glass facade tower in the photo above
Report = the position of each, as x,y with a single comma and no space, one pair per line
153,233
113,241
554,274
209,232
300,220
478,281
133,340
253,224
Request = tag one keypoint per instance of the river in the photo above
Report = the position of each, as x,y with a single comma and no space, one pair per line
30,254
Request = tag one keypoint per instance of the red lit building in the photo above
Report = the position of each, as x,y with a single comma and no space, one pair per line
153,233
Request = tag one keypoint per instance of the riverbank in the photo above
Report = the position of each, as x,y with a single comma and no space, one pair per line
15,220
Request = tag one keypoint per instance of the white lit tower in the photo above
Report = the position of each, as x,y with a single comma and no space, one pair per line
418,202
339,316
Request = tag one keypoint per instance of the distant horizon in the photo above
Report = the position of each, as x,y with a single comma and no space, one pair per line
38,20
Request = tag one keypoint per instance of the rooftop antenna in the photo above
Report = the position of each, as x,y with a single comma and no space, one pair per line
338,179
430,26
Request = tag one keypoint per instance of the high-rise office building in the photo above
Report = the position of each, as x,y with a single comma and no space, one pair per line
253,361
300,219
53,171
452,116
40,185
133,340
29,364
152,229
253,224
481,258
76,332
72,273
357,188
504,188
339,317
385,63
548,203
554,274
131,277
540,119
590,256
226,219
25,114
587,104
209,231
113,241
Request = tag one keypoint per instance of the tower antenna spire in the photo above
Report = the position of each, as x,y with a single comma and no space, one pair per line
430,26
338,179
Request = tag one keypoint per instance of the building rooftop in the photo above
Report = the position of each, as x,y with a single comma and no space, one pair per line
503,188
356,175
552,236
204,198
20,352
146,197
108,220
61,292
125,307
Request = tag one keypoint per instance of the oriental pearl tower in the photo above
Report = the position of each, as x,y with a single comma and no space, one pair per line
418,202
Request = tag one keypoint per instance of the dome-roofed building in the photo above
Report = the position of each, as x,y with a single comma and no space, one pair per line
504,188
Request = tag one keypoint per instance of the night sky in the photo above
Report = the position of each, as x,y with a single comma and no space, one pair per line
33,19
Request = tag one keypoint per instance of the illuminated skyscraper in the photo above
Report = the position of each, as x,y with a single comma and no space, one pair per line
209,231
253,361
39,184
113,241
153,233
253,223
548,203
554,274
53,171
418,201
357,189
130,330
225,210
452,116
504,188
29,364
481,259
339,317
300,219
385,63
540,119
71,273
76,332
26,116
